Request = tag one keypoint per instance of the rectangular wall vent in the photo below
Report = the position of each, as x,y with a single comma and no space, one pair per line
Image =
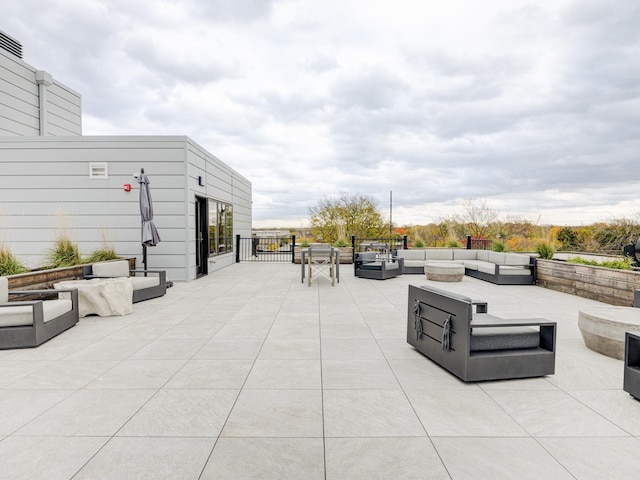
10,44
98,170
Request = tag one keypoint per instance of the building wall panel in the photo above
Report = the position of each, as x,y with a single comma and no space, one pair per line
45,190
20,102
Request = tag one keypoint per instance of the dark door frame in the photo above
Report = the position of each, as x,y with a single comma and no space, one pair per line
202,236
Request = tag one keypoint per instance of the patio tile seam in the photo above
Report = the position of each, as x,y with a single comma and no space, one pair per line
242,387
44,412
386,359
572,395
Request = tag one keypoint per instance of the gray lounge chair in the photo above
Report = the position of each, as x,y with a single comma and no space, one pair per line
27,324
477,346
146,283
368,265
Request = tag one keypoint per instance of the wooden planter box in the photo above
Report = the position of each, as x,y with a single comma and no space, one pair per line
607,285
346,255
44,279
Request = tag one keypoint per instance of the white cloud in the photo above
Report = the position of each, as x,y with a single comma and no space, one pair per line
531,106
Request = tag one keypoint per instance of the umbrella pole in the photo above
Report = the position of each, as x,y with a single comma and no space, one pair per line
144,258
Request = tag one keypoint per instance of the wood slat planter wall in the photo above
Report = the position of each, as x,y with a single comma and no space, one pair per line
346,255
607,285
44,279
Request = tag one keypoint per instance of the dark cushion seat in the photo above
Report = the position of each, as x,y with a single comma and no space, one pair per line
501,338
378,266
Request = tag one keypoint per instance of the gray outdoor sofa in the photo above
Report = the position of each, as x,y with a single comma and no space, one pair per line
29,323
496,267
477,346
147,284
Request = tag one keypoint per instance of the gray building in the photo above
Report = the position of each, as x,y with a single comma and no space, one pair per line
54,180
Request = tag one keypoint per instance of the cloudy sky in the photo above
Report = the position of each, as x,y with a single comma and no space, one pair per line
530,106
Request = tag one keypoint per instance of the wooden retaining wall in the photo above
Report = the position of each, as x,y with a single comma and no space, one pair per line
615,287
346,255
44,279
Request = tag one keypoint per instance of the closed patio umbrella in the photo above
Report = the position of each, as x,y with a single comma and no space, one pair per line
150,236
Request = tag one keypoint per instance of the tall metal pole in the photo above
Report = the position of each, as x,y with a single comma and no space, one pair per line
390,213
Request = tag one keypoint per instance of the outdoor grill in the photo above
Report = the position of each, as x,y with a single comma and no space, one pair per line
633,251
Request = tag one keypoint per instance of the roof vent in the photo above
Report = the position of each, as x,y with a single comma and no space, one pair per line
10,44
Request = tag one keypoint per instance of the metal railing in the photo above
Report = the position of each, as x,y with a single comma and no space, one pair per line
265,249
479,243
282,249
363,244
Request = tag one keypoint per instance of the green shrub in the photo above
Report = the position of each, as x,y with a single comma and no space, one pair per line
545,250
618,264
305,244
453,244
418,244
341,243
499,246
9,264
64,253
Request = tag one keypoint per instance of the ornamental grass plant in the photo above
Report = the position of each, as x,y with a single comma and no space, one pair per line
64,253
545,250
9,264
101,255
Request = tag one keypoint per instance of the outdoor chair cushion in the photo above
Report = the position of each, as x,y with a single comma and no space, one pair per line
514,270
368,257
378,266
464,254
23,314
471,264
501,338
119,268
445,254
487,267
140,282
516,259
4,290
497,258
411,254
482,255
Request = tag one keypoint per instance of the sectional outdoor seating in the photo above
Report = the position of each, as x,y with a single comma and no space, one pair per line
29,323
370,265
146,283
477,346
496,267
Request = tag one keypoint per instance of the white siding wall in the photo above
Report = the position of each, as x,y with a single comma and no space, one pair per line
45,189
19,102
221,183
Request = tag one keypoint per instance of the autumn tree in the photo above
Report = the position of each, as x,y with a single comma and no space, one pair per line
336,218
477,217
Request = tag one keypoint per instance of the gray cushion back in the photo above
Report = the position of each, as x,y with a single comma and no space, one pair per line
368,256
4,290
118,268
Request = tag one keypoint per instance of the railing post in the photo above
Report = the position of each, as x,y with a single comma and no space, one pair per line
237,248
353,248
293,249
468,242
404,242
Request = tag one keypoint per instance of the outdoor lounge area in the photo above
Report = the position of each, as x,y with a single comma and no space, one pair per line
249,373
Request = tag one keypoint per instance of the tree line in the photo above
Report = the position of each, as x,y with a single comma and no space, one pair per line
334,219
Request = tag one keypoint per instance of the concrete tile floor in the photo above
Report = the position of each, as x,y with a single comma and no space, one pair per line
248,373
